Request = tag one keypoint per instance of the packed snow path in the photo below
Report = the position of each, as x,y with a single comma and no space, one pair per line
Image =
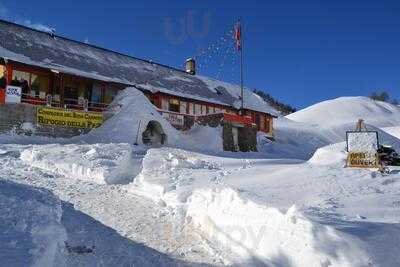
107,218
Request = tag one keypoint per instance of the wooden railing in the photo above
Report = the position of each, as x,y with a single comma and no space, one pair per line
68,103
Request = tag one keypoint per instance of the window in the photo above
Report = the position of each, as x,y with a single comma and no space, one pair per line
268,125
164,103
2,77
75,91
70,91
203,110
40,85
183,107
197,109
262,123
31,84
191,108
95,97
174,105
109,94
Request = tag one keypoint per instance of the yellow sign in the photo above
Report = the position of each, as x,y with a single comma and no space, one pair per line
68,118
363,160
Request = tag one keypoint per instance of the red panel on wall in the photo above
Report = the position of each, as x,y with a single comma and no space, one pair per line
2,96
247,120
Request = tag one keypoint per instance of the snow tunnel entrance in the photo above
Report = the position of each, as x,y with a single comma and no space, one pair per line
154,134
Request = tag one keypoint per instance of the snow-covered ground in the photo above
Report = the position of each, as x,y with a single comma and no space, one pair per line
98,200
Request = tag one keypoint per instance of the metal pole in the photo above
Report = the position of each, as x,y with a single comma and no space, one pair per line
241,64
137,134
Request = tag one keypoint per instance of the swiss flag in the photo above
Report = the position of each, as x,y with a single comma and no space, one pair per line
238,36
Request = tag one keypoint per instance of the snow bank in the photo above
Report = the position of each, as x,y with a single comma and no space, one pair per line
250,231
203,138
195,187
31,233
349,110
329,155
170,174
100,163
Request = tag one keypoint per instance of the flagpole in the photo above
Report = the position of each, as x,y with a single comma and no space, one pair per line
241,65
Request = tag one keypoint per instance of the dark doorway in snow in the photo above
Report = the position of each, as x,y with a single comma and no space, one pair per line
154,134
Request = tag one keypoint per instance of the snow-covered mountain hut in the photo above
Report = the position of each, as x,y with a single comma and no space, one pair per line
59,74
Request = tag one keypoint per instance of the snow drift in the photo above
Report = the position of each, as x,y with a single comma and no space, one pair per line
248,231
330,155
99,163
191,186
31,232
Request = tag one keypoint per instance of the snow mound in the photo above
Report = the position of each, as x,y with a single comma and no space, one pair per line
31,233
170,174
330,154
250,231
130,113
203,138
349,110
99,163
129,108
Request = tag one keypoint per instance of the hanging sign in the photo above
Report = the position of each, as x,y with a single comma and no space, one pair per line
13,94
68,118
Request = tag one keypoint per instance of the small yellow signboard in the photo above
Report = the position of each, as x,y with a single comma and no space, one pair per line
68,118
363,160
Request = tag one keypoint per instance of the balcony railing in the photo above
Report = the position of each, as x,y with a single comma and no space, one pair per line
69,103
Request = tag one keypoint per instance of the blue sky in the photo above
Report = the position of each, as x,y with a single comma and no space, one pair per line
300,52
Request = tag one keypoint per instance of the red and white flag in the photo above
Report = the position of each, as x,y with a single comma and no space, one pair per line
238,36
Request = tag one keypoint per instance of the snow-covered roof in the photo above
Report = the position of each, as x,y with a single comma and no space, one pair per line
42,49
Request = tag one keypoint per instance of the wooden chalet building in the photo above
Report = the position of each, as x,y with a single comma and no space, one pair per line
67,74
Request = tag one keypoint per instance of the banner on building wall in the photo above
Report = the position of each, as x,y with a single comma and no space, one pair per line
13,94
174,119
68,118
